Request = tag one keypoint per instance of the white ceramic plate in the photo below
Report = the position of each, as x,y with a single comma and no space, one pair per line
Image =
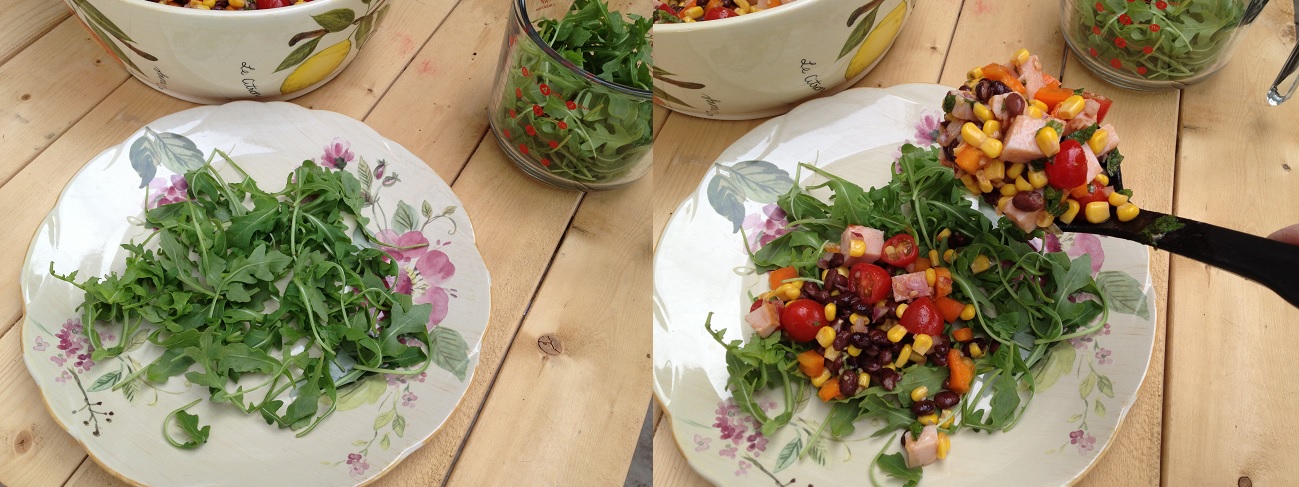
1085,388
379,421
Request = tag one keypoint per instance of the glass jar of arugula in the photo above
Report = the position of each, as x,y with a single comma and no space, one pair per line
572,105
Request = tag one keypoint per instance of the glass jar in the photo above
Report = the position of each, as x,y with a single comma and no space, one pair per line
560,123
1155,44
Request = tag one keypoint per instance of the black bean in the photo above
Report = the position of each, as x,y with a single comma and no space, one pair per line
840,341
992,348
859,340
938,360
949,151
1014,104
947,382
1029,201
879,337
922,408
939,349
938,340
836,260
885,355
848,383
810,289
946,399
991,198
888,378
863,308
872,365
842,284
871,349
835,365
958,239
983,90
997,88
846,300
964,88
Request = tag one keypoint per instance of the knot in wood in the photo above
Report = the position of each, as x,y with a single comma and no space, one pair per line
23,442
550,344
1244,482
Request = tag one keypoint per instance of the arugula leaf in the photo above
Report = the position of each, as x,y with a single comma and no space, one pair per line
895,466
188,424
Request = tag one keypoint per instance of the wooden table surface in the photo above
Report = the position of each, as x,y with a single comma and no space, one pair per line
564,265
1215,408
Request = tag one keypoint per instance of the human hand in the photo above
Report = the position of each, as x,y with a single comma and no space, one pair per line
1288,235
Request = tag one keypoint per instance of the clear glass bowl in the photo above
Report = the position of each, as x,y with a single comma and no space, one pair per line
559,123
1155,44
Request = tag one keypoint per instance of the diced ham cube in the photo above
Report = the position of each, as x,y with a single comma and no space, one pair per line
947,135
1020,142
963,109
1030,74
1026,221
872,238
907,287
922,450
765,320
1112,142
1077,123
998,106
1093,165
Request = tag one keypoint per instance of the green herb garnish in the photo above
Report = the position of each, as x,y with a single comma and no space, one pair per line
1160,227
259,297
564,122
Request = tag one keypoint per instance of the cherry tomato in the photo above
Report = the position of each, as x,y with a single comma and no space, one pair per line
265,4
757,303
802,318
1105,105
1088,193
664,7
870,281
1068,169
899,251
716,13
922,316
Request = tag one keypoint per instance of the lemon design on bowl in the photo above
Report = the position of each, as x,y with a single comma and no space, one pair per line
878,40
317,67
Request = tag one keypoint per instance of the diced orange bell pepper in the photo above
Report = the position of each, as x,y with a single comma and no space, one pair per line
1050,80
968,159
949,308
1052,96
811,363
998,72
943,282
963,334
962,372
920,264
830,390
779,276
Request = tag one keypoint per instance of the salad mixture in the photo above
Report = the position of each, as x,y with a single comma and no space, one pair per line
677,11
906,305
1155,39
270,306
230,4
563,122
1035,150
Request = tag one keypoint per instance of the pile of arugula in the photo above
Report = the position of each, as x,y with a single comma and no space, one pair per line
1184,38
1026,304
276,294
566,123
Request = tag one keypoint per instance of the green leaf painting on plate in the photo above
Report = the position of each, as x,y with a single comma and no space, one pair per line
110,34
760,181
173,151
859,33
1126,295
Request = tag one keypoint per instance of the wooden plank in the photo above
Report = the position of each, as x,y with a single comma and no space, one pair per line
660,118
26,20
437,108
984,35
518,223
90,474
52,84
920,48
1147,124
670,467
1228,356
586,345
32,441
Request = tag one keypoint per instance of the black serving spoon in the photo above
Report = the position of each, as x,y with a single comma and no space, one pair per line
1268,262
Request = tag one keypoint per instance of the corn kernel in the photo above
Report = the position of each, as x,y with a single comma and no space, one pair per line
944,233
933,256
996,170
1118,199
1037,179
1009,190
1071,212
903,356
992,128
1102,179
930,276
922,343
1020,57
1099,139
985,185
1128,212
824,273
949,256
1040,105
1022,185
1048,141
981,111
928,419
975,350
946,419
857,248
853,351
819,380
1015,170
831,354
1070,108
854,318
1002,202
970,183
694,12
790,291
863,381
975,73
1097,211
825,336
209,3
944,445
897,333
967,314
238,3
1045,219
981,263
919,394
972,135
902,308
991,147
830,311
1036,112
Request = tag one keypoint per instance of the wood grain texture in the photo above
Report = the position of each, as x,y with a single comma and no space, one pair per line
89,474
26,20
670,467
34,450
983,36
578,373
42,103
1225,395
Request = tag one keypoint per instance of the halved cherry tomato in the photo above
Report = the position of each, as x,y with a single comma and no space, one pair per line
1052,95
1105,105
719,13
802,318
1088,193
899,250
922,316
870,281
777,277
664,7
1068,169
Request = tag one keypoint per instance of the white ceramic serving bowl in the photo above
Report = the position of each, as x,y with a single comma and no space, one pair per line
206,56
765,63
